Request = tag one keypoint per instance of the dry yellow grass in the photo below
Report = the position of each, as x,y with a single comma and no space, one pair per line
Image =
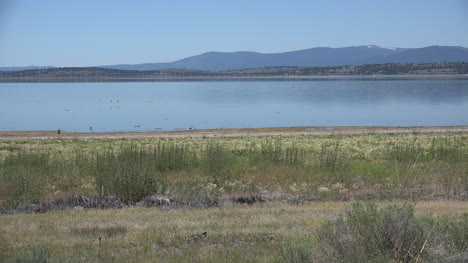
148,234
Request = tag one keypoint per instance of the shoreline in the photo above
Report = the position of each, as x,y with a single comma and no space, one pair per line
241,132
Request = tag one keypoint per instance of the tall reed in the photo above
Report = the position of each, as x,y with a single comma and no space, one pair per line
24,177
128,173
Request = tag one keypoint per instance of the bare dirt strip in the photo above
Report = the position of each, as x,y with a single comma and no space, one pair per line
216,133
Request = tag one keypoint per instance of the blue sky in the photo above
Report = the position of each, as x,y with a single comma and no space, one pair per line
89,32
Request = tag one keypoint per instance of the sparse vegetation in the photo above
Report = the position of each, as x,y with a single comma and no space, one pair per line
255,193
328,168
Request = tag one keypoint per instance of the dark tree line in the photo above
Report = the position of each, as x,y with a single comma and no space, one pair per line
351,70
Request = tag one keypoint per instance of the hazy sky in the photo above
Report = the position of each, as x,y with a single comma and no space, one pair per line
103,32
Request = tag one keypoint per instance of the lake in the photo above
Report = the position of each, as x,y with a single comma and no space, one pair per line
154,106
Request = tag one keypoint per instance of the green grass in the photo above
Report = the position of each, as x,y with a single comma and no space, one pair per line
132,173
24,177
422,166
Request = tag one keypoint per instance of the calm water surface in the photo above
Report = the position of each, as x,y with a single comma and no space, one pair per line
149,106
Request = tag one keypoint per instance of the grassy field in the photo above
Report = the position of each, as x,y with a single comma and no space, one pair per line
403,166
270,232
303,179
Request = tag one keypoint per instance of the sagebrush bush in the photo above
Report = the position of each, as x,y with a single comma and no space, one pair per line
366,233
451,235
297,250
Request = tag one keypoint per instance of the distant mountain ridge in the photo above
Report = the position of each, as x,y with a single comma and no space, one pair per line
313,57
24,68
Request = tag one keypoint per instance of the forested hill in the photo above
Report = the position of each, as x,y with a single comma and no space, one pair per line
360,70
447,68
94,72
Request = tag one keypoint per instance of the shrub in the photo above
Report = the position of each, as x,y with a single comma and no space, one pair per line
368,234
296,251
451,234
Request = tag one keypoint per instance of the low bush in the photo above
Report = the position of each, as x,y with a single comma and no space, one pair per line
366,233
296,250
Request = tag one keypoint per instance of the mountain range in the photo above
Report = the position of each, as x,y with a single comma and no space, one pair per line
24,68
313,57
